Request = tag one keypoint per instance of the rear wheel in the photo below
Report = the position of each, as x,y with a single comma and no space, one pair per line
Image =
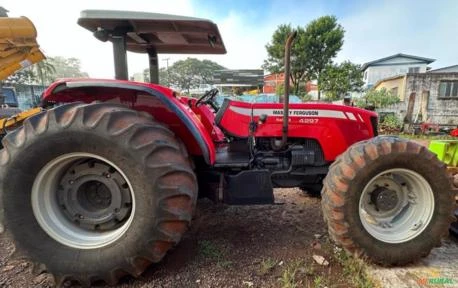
388,199
95,192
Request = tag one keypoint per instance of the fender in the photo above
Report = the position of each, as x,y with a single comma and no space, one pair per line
158,101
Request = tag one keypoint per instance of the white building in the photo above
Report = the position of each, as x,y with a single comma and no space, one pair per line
398,64
449,69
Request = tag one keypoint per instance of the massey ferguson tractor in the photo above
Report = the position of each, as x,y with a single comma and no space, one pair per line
104,181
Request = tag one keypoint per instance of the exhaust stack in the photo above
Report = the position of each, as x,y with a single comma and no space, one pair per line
288,44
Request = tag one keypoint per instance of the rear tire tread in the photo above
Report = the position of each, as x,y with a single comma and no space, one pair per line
117,121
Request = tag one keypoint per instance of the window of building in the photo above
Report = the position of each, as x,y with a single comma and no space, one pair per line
414,70
394,91
448,89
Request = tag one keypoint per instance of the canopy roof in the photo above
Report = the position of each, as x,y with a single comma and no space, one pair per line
163,33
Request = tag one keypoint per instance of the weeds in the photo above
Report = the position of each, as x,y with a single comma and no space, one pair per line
211,251
288,278
224,263
267,265
318,281
354,268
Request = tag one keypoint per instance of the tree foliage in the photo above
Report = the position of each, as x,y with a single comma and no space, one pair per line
44,71
324,40
66,68
189,73
24,76
47,71
378,99
338,80
163,76
276,54
314,47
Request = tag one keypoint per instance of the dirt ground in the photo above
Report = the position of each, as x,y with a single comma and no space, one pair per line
238,246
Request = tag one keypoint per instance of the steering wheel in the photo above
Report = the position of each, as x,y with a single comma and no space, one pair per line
207,98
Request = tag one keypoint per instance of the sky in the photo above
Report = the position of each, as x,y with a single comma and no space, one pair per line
373,29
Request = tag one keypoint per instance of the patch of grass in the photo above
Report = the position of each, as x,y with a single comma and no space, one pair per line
209,250
266,266
354,268
224,263
288,278
318,281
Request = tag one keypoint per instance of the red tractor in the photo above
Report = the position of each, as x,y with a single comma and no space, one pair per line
104,181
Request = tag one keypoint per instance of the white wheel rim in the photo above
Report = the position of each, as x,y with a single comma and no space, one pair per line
402,219
51,216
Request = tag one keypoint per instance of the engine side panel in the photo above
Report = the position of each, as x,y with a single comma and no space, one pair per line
335,127
158,101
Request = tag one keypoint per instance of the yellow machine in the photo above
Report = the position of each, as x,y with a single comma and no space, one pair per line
18,49
13,121
18,45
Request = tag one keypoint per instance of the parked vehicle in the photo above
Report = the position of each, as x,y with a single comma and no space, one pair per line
8,102
105,181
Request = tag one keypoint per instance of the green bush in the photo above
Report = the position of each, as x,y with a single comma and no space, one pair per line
390,123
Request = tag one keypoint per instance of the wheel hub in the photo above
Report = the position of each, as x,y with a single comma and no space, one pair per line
384,199
93,196
396,205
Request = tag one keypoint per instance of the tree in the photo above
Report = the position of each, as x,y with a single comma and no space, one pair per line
163,77
338,80
44,71
47,71
378,99
189,73
186,74
206,70
276,54
65,68
280,90
324,38
313,49
24,76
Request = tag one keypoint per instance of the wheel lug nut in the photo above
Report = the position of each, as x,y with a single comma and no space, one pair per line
71,182
108,175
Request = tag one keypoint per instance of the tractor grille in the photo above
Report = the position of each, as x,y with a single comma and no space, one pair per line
313,145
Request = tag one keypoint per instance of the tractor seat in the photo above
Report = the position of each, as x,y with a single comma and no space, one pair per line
219,115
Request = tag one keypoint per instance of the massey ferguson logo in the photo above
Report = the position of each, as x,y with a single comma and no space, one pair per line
298,112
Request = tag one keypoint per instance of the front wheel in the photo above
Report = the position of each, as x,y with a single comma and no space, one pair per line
389,199
95,192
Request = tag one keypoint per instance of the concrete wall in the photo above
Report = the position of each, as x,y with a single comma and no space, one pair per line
441,111
427,101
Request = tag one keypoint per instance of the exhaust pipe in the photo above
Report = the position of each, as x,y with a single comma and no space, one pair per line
288,44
